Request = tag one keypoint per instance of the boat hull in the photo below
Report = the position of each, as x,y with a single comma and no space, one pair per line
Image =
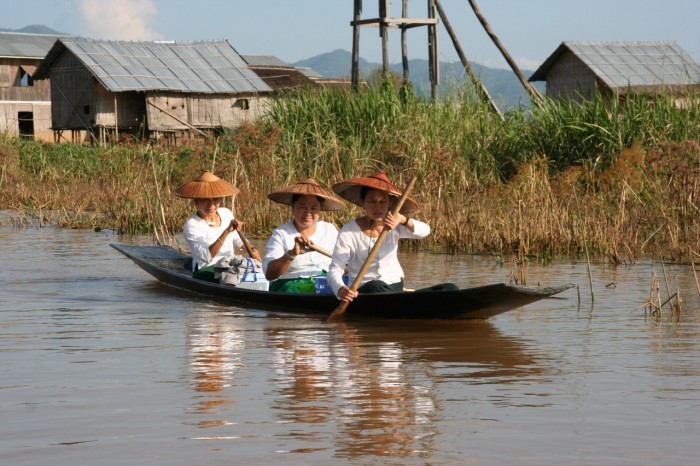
166,265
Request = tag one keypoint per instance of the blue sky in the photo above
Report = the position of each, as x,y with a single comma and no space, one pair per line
297,29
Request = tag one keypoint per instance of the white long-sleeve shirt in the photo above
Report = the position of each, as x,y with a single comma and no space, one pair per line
309,264
200,235
353,247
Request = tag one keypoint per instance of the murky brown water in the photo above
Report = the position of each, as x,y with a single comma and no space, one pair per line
102,365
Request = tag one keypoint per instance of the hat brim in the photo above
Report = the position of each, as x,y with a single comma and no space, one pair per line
351,190
307,187
206,186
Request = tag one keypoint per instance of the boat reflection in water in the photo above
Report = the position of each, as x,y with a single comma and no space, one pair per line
376,387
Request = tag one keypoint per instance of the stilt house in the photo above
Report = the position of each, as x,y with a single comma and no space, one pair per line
170,91
577,70
25,105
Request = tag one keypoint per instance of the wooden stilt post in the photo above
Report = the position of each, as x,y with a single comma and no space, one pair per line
355,73
383,15
404,43
433,55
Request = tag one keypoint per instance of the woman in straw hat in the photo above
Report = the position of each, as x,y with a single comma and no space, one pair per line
375,194
211,230
289,261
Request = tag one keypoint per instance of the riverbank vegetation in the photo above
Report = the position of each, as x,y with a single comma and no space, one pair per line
618,181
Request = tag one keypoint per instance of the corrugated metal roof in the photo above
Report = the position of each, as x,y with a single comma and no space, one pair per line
265,60
24,45
192,67
623,64
309,72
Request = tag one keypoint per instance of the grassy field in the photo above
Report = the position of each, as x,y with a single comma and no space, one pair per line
619,181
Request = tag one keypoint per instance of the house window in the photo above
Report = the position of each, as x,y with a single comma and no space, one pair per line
86,109
24,79
25,122
243,104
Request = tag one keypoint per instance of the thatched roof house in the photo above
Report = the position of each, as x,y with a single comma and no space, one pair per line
279,75
578,70
170,90
25,106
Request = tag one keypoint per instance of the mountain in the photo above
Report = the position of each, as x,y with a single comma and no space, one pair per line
503,85
36,29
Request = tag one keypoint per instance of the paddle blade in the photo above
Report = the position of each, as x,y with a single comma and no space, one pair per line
338,313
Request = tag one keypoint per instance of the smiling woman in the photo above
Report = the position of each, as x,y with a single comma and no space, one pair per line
211,232
292,258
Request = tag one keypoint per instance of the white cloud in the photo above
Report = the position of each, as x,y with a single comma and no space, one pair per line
119,19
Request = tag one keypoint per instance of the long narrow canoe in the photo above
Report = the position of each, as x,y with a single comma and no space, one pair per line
481,302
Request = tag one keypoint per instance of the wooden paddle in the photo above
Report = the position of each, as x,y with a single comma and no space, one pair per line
319,249
246,243
340,310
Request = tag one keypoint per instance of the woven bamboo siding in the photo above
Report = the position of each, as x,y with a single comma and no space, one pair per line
130,112
177,112
570,78
73,89
167,112
34,99
211,111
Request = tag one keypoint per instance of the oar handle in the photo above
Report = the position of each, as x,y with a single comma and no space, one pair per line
319,249
340,310
246,243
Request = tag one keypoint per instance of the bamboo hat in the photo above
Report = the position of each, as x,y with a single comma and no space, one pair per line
309,187
351,190
206,186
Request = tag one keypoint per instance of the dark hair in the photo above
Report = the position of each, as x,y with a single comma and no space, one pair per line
365,189
295,198
363,192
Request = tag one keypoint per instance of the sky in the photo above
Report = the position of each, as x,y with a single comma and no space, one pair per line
294,30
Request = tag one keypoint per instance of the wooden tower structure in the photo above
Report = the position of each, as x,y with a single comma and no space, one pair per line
385,22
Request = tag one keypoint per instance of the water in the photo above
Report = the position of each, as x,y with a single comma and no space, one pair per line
100,364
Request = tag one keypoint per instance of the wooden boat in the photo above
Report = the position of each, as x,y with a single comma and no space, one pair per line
481,302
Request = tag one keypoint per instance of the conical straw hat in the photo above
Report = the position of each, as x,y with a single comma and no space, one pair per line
206,186
350,190
310,187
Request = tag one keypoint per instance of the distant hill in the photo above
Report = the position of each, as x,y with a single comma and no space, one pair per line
503,85
36,29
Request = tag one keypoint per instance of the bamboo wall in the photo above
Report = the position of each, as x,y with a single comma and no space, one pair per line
74,92
569,77
130,113
182,112
16,98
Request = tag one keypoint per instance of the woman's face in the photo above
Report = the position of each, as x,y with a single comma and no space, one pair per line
306,211
376,204
207,207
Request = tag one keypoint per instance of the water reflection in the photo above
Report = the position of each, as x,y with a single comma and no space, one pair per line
378,383
215,345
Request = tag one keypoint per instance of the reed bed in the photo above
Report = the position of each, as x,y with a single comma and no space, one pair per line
618,181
